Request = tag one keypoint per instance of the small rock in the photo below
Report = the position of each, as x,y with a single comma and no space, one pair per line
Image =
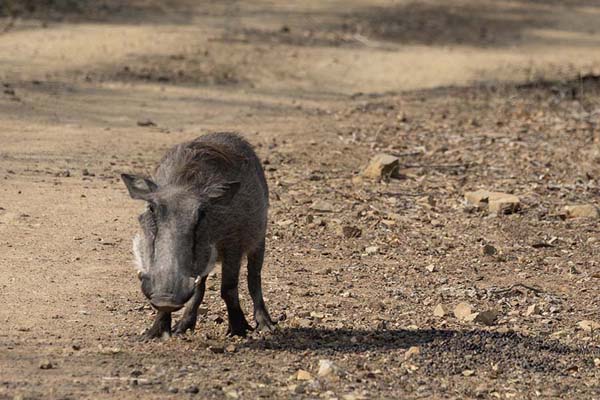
582,211
172,389
191,389
232,394
497,202
588,325
430,268
468,372
502,203
382,166
217,349
285,223
303,375
46,364
351,231
230,348
317,315
328,368
440,311
477,197
146,122
412,352
486,317
488,250
372,250
533,309
463,311
322,206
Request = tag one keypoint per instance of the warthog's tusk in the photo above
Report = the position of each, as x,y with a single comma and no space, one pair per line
197,280
139,274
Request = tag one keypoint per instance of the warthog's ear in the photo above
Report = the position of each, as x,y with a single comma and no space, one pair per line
222,193
138,187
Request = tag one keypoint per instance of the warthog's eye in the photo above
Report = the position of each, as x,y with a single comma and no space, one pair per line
148,220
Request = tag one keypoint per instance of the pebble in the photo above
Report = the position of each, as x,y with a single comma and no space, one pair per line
370,250
462,311
382,166
412,352
191,389
440,311
582,211
303,375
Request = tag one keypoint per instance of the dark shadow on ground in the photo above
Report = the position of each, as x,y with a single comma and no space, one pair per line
113,11
482,24
440,350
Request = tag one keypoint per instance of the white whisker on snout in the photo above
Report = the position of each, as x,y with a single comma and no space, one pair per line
137,254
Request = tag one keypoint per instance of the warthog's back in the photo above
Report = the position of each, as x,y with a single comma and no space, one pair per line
218,158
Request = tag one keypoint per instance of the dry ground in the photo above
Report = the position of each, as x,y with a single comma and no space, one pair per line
469,94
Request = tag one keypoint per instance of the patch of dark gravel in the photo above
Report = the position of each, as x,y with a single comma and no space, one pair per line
473,350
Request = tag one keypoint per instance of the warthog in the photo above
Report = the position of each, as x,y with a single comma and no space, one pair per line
207,201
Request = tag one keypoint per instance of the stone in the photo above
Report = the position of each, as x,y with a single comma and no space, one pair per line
322,206
382,166
489,250
412,352
502,203
192,389
582,211
303,375
462,311
533,309
371,250
497,202
477,197
430,268
440,311
350,231
230,348
588,325
486,317
46,364
328,368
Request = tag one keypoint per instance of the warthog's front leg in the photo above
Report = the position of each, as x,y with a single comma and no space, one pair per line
238,326
261,315
190,315
160,327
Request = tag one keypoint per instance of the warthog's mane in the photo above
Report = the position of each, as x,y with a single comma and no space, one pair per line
192,160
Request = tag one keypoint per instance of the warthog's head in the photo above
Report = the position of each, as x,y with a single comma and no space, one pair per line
173,250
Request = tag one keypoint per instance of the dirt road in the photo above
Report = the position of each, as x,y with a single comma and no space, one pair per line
476,94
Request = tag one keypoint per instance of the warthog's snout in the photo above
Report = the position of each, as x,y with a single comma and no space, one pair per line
166,303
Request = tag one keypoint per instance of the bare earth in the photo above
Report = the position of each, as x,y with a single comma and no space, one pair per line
470,95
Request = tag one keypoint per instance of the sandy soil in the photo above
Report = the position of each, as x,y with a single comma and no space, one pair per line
476,94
